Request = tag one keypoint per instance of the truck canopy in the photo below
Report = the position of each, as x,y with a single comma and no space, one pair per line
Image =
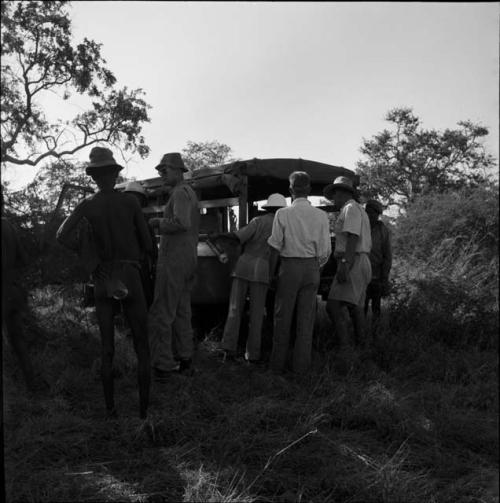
259,177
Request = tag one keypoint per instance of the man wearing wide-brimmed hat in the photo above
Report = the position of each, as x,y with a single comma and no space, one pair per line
301,238
121,238
352,247
170,313
251,274
380,259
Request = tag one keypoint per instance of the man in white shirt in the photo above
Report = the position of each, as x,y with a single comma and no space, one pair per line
352,247
301,238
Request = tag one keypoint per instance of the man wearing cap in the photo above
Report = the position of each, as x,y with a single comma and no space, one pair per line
301,238
380,259
170,313
352,247
148,262
121,239
251,274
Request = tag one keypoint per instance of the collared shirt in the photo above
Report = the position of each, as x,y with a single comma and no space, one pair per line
381,252
253,263
301,231
354,220
178,228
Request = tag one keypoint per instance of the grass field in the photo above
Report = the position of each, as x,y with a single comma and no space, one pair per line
410,420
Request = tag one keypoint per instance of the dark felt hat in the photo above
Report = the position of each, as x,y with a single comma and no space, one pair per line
341,182
374,205
101,157
172,160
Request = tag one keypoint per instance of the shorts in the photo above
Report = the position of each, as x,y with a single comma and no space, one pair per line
353,290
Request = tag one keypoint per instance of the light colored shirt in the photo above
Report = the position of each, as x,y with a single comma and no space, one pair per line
253,263
354,220
301,231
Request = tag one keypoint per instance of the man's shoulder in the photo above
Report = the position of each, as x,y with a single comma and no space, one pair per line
184,189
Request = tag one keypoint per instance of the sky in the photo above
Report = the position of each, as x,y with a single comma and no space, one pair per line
292,79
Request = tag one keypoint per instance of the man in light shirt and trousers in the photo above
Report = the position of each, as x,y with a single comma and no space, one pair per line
352,247
251,274
301,238
170,313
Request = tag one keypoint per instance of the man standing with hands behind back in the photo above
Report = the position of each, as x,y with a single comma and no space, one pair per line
170,312
301,237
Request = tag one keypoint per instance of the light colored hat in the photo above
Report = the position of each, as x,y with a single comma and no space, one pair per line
341,182
101,157
135,187
172,160
374,205
275,201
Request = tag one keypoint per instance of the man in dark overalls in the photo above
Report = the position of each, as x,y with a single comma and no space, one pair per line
170,313
121,239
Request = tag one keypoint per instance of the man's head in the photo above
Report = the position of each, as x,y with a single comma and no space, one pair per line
103,168
373,209
340,191
300,184
171,168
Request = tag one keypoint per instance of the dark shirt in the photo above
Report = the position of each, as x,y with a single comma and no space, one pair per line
119,229
13,254
381,252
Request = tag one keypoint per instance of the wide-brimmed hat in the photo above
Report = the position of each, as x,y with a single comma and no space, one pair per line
101,157
341,182
172,160
135,187
275,201
374,205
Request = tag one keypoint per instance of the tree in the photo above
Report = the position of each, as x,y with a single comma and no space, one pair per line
39,57
407,161
209,154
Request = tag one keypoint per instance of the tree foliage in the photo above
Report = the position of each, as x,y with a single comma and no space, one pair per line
407,161
39,57
209,154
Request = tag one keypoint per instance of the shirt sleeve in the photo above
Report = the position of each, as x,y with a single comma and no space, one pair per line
352,220
277,236
181,219
325,243
246,233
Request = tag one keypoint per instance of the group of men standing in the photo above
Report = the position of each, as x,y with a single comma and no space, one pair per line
296,236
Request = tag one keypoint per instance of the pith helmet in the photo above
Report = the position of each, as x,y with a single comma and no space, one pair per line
135,187
341,182
101,157
275,201
374,205
172,160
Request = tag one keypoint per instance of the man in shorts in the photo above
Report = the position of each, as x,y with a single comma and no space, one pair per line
352,247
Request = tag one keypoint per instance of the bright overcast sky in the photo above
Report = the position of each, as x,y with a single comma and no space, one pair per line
299,79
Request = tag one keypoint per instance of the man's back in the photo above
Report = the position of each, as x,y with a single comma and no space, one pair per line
118,225
301,231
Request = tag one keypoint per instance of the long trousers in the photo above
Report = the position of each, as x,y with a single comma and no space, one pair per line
298,282
258,292
170,314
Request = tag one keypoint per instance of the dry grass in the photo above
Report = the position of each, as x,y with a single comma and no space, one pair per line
416,425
